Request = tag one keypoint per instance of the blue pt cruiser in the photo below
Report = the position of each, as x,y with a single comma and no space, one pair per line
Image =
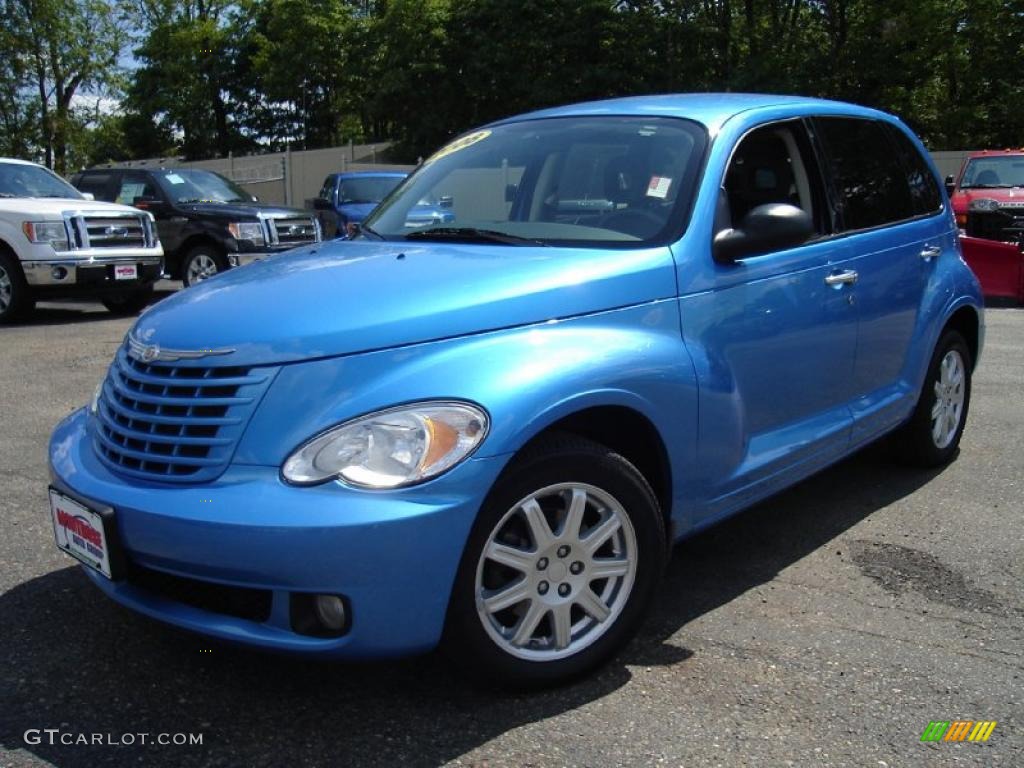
645,315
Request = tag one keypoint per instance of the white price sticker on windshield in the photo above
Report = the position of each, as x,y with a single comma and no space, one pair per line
659,186
175,178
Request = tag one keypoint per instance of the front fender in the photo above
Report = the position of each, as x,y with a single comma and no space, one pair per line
526,378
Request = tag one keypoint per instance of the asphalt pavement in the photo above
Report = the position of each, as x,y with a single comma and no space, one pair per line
827,626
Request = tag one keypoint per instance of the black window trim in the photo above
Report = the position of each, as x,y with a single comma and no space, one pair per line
843,232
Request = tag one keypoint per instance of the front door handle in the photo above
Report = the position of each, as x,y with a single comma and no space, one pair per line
929,252
848,276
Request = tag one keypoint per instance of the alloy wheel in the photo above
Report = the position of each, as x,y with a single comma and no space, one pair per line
201,267
6,290
949,399
556,572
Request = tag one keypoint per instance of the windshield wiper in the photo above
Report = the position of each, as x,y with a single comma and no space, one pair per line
472,233
989,186
7,194
200,200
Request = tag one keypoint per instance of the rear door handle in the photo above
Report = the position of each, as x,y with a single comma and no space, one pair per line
848,276
929,252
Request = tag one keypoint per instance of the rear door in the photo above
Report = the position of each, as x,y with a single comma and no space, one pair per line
890,211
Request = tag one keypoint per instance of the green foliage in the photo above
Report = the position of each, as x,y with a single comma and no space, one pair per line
219,76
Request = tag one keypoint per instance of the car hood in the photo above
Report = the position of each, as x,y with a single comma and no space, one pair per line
243,211
56,206
345,297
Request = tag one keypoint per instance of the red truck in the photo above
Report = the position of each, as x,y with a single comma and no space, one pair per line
988,200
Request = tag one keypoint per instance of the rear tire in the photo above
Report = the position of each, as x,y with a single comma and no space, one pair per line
931,437
538,600
202,263
129,304
15,299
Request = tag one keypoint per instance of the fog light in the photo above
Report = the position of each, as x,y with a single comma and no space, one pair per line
232,260
59,273
330,610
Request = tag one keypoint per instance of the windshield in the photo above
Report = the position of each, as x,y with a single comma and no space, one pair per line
17,180
990,172
192,186
366,190
579,180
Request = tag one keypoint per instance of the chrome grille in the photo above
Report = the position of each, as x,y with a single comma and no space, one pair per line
174,422
296,230
109,230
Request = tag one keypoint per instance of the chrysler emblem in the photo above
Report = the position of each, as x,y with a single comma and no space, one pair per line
150,353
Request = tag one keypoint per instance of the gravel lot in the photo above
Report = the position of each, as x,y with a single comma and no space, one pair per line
827,626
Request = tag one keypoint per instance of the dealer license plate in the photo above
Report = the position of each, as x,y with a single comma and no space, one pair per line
80,532
126,272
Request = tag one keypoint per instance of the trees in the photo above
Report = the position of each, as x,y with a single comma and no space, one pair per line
58,48
216,76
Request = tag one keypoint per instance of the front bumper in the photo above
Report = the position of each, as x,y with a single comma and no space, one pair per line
95,271
393,555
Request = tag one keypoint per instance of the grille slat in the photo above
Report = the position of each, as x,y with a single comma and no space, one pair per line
129,413
174,422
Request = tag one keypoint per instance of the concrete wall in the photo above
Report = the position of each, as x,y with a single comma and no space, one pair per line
949,161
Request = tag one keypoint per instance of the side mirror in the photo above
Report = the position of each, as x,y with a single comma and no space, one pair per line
446,201
950,185
151,204
766,228
88,196
321,204
255,198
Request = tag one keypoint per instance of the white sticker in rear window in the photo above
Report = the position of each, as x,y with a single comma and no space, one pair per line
659,186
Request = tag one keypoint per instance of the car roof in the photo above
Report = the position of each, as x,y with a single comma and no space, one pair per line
711,109
16,161
369,174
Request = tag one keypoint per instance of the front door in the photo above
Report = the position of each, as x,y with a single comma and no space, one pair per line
777,333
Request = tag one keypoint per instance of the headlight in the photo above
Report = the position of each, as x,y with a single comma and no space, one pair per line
247,230
390,449
52,232
983,204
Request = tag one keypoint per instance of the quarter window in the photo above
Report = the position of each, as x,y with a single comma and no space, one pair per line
866,171
924,189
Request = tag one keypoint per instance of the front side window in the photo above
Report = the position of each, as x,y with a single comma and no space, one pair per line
994,172
185,185
19,180
866,171
774,164
132,187
576,181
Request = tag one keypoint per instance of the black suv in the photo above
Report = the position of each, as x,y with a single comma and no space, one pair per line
206,223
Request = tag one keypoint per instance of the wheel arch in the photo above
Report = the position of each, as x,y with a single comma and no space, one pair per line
966,321
621,427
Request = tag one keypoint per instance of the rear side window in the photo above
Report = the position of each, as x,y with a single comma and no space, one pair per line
867,172
97,184
924,190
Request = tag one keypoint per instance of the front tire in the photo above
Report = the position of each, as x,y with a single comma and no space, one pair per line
559,568
15,299
202,263
932,436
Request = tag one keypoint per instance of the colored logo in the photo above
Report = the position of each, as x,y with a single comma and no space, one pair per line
958,730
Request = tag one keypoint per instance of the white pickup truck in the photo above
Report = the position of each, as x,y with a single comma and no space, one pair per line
57,243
